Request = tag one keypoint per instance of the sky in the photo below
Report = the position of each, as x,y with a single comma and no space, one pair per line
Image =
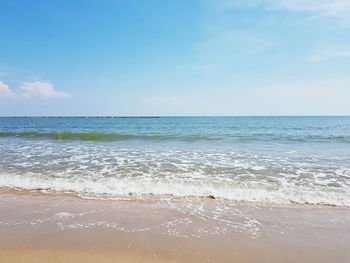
176,57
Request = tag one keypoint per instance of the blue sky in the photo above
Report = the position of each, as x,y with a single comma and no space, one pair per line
200,57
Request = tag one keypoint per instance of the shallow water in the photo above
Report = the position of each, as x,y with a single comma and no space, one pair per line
266,159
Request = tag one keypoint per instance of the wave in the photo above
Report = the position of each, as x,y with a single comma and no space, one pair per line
292,137
103,137
108,137
112,188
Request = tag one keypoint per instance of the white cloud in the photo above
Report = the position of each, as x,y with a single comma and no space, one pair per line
41,89
5,90
38,89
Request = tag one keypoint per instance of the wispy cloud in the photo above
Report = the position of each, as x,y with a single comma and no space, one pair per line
232,43
5,91
38,89
324,7
300,97
164,101
336,8
328,52
223,50
4,73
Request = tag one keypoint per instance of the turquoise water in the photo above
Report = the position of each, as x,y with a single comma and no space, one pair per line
265,159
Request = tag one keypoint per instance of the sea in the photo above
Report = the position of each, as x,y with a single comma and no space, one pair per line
270,160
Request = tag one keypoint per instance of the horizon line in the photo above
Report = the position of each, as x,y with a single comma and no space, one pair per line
158,116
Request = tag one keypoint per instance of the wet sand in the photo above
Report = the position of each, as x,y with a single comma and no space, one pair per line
36,227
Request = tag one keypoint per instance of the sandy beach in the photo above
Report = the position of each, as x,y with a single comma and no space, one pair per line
39,227
207,131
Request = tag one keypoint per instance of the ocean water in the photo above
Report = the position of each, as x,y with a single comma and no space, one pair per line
278,160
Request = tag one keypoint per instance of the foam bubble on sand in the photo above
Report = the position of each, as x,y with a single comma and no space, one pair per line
62,216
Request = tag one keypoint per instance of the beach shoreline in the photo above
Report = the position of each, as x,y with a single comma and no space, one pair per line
39,227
